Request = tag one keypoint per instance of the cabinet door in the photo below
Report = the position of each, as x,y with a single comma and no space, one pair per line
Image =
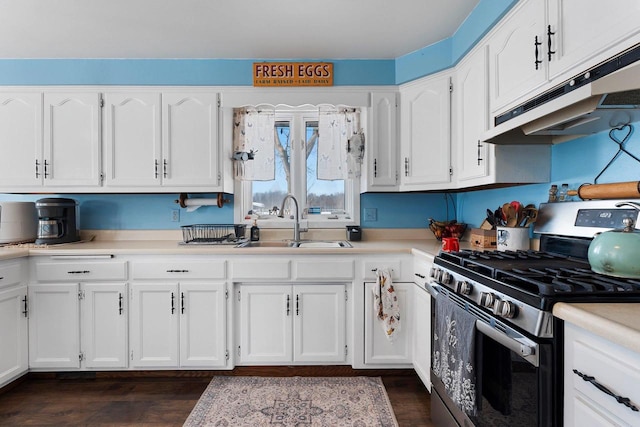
422,335
154,325
20,140
54,326
378,348
72,139
14,355
381,151
319,326
512,54
103,315
190,140
202,325
265,325
585,29
471,117
426,143
133,144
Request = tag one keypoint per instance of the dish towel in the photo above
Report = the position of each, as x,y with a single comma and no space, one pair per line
454,353
385,303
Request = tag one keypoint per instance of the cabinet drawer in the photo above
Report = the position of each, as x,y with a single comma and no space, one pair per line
370,268
112,270
259,269
324,269
179,269
421,268
613,366
11,274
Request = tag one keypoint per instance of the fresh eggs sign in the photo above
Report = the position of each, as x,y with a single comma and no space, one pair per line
292,74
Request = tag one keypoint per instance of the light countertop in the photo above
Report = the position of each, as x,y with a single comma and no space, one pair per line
616,322
619,323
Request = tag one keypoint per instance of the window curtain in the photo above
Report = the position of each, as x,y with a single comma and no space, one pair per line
340,143
253,144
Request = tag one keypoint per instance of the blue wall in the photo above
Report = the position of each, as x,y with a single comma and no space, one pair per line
575,162
238,72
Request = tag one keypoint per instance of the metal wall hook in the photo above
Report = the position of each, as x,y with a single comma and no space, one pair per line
621,148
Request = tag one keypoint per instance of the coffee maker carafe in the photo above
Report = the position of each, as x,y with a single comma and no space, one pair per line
57,221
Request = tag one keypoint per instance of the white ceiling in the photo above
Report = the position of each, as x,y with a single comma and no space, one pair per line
232,29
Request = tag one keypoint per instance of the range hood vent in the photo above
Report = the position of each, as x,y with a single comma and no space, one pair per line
601,98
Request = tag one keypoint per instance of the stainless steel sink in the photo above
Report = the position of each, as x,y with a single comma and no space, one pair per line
324,244
268,244
291,244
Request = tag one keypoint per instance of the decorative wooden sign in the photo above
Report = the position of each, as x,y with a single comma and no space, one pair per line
293,74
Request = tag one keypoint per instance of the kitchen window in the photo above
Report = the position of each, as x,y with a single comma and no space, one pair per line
323,203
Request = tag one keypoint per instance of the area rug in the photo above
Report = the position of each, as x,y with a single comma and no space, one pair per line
236,401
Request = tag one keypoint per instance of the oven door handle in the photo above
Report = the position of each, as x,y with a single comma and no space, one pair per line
522,346
432,288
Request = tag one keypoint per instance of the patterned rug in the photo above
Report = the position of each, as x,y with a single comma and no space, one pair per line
236,401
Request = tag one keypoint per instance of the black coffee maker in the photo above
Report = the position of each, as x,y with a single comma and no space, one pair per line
57,221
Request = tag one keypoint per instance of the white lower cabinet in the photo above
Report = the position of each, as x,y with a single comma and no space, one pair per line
103,325
303,323
178,325
74,325
54,326
422,334
378,348
13,333
605,366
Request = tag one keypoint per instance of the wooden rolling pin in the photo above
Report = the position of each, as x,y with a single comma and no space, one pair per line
616,190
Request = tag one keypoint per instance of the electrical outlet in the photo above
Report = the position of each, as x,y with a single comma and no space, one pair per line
175,215
370,214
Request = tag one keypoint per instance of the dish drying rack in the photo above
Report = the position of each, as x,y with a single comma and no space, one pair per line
209,234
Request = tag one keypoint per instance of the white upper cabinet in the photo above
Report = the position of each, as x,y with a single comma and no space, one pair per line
72,139
382,144
543,43
21,162
478,163
133,139
470,117
586,32
190,156
516,53
425,162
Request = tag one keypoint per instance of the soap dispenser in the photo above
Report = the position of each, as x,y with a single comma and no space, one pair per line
255,231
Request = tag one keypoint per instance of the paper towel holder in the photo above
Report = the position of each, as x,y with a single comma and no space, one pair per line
183,197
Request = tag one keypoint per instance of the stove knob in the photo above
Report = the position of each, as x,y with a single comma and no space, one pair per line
463,287
447,278
505,309
487,299
435,274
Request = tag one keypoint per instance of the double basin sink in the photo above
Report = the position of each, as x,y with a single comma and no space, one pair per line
292,244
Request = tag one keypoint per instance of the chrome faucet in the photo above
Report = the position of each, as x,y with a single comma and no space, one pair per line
296,225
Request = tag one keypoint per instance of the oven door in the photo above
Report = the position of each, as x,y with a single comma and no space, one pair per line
514,384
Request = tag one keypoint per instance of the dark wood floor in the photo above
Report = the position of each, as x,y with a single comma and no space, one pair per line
165,398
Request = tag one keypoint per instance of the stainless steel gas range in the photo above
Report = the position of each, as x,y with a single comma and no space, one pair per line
512,374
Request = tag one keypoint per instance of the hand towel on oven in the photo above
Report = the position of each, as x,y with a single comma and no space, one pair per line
454,353
385,303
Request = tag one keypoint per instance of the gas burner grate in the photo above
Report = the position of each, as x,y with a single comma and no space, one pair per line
562,281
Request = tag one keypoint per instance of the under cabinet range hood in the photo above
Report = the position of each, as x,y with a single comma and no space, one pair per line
601,98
